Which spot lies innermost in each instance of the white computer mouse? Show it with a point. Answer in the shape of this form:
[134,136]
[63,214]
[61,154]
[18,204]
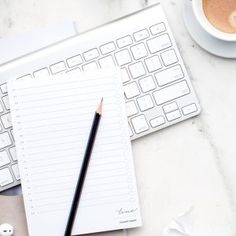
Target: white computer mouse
[6,230]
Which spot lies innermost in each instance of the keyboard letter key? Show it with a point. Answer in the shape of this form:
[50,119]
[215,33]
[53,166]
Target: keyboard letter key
[157,29]
[145,102]
[91,54]
[147,84]
[125,41]
[4,159]
[123,57]
[25,77]
[125,75]
[106,62]
[107,48]
[169,57]
[140,35]
[130,131]
[16,171]
[5,100]
[131,108]
[90,66]
[139,51]
[41,73]
[5,177]
[74,61]
[5,140]
[131,90]
[153,63]
[137,70]
[6,120]
[1,108]
[4,88]
[13,153]
[58,67]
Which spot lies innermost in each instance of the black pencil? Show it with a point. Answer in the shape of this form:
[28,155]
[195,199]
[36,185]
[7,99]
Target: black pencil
[83,170]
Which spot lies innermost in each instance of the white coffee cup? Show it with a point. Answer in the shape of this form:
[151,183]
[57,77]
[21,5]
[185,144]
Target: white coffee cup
[202,19]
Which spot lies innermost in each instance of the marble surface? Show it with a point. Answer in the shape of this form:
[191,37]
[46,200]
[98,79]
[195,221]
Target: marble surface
[189,164]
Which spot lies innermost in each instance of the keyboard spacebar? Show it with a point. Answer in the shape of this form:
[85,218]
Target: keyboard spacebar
[171,92]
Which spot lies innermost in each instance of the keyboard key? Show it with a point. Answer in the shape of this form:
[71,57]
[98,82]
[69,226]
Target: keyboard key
[6,120]
[58,67]
[106,62]
[25,77]
[5,140]
[160,120]
[159,43]
[90,66]
[131,90]
[4,159]
[130,131]
[145,102]
[123,57]
[5,177]
[140,124]
[172,92]
[189,109]
[147,84]
[140,35]
[74,61]
[5,100]
[139,51]
[131,108]
[91,54]
[137,70]
[4,88]
[13,153]
[170,107]
[107,48]
[173,115]
[125,41]
[16,171]
[125,75]
[169,57]
[158,28]
[169,75]
[153,63]
[41,73]
[74,70]
[1,108]
[12,134]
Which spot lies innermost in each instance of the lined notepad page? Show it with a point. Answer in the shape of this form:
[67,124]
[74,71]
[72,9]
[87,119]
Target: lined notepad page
[52,118]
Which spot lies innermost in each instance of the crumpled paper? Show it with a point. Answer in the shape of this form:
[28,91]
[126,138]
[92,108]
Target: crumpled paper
[182,225]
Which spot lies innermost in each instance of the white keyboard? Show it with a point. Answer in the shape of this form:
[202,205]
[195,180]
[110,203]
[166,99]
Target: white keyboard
[157,89]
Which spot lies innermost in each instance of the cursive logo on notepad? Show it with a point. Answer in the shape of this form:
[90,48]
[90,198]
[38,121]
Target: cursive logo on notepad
[123,211]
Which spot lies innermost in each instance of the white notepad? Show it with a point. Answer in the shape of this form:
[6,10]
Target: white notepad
[51,119]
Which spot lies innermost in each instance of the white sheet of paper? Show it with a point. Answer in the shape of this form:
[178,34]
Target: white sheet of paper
[52,119]
[182,225]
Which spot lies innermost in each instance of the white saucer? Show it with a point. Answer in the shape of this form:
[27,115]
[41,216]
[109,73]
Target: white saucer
[203,39]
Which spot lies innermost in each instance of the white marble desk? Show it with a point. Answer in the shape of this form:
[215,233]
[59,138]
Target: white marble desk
[189,164]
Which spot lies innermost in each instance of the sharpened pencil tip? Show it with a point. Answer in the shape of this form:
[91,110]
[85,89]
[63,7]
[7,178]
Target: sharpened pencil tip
[99,109]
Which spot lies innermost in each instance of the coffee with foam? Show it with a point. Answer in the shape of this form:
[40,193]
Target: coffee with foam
[221,14]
